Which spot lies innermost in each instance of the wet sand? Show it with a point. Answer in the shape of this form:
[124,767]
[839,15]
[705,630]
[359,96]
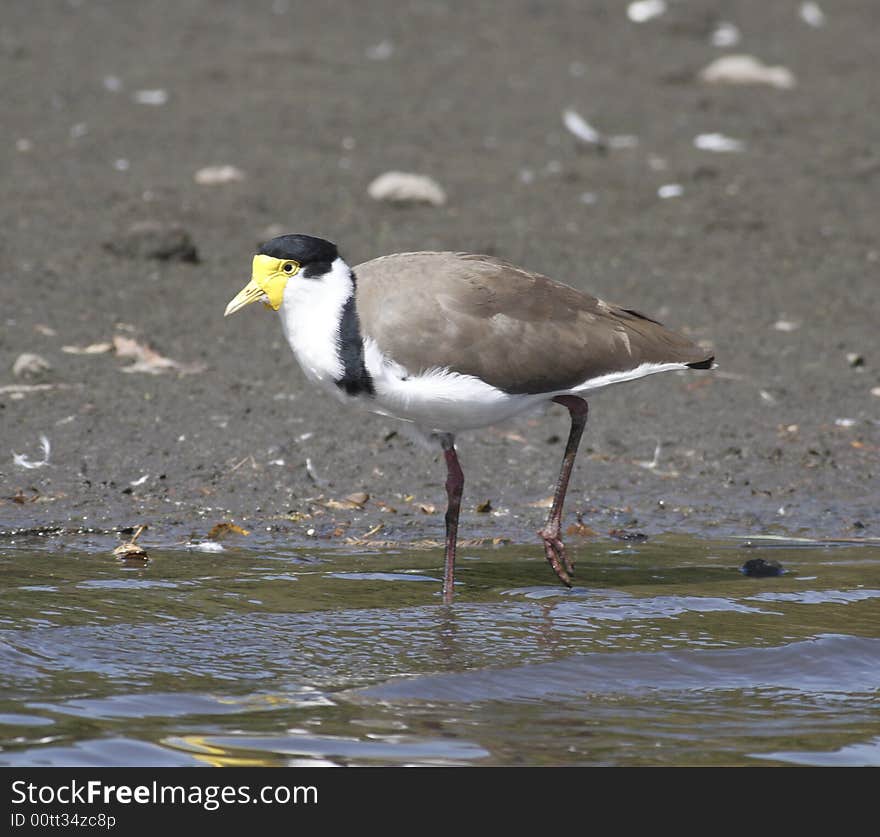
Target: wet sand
[770,254]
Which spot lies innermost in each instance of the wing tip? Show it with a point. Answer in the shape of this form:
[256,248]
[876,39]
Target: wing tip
[708,363]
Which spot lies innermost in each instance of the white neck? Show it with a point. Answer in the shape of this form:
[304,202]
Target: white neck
[311,312]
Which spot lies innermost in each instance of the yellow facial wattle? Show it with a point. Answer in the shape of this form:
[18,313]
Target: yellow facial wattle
[268,279]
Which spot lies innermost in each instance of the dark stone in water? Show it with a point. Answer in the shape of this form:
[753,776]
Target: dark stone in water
[626,535]
[759,568]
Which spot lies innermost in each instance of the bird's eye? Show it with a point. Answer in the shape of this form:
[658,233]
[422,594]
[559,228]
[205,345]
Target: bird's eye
[288,268]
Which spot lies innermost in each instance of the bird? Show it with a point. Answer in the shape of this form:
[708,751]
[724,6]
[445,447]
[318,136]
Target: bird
[449,342]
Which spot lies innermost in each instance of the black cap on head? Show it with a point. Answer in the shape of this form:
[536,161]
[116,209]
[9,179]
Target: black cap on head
[315,255]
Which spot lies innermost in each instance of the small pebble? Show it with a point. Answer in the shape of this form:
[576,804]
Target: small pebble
[725,34]
[746,69]
[579,127]
[150,97]
[670,190]
[855,360]
[786,325]
[404,187]
[29,365]
[812,14]
[216,175]
[718,143]
[640,11]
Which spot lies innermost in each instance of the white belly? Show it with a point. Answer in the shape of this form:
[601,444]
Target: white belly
[438,399]
[447,402]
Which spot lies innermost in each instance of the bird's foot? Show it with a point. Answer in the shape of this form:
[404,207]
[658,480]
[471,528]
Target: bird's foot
[554,550]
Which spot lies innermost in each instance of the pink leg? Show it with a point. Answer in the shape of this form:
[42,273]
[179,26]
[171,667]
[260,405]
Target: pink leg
[454,487]
[554,548]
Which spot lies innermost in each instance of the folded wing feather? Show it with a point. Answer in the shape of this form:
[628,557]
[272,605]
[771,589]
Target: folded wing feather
[519,331]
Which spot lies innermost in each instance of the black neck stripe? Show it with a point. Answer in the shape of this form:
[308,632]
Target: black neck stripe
[355,379]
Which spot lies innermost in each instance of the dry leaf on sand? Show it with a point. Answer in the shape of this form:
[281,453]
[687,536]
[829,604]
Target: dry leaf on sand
[149,360]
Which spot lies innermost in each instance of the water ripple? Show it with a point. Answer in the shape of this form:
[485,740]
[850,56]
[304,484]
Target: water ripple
[818,596]
[866,754]
[828,664]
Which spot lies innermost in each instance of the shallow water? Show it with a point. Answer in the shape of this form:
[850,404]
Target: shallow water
[664,654]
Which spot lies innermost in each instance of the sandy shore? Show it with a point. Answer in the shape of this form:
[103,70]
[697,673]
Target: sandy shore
[769,253]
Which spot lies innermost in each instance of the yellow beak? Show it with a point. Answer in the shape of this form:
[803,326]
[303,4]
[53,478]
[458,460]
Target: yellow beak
[248,294]
[268,280]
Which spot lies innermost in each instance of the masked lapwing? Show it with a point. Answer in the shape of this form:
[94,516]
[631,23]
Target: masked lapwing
[456,341]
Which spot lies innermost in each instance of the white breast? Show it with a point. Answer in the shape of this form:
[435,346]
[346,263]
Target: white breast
[310,313]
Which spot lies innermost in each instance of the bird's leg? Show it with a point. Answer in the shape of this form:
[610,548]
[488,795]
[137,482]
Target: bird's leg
[454,487]
[554,548]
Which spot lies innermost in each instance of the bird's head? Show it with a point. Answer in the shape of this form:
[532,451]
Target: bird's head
[285,259]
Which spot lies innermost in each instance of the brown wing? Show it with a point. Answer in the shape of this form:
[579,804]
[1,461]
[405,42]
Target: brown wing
[519,331]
